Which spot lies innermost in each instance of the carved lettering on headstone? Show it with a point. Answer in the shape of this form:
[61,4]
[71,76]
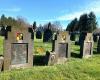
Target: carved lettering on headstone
[19,53]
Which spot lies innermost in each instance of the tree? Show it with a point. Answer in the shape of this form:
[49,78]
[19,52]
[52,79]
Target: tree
[3,20]
[48,33]
[83,26]
[87,22]
[72,26]
[92,21]
[57,26]
[34,25]
[49,25]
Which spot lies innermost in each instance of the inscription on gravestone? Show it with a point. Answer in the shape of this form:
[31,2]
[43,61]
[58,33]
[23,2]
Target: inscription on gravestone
[19,53]
[88,48]
[62,50]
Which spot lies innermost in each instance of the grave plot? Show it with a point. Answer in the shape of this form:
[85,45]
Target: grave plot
[60,48]
[18,48]
[86,46]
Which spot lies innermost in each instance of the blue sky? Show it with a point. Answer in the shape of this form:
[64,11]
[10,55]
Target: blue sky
[43,11]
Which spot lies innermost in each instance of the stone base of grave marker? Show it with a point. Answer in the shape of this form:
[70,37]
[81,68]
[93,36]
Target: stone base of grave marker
[52,58]
[61,60]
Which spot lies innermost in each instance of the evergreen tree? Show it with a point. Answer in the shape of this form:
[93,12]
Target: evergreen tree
[83,26]
[72,26]
[92,22]
[34,25]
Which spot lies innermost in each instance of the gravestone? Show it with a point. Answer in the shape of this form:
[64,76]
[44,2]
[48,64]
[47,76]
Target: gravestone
[62,46]
[86,48]
[82,37]
[53,41]
[18,48]
[98,45]
[50,58]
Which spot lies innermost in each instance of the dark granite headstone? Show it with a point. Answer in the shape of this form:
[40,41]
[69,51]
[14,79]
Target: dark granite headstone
[82,37]
[98,45]
[1,63]
[86,48]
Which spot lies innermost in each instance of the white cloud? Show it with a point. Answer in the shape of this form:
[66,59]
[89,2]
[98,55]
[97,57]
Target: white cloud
[93,6]
[10,10]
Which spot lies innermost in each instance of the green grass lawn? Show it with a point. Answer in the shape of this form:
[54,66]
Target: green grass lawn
[40,47]
[74,69]
[1,45]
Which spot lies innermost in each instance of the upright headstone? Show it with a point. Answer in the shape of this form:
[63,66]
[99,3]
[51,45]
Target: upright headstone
[18,48]
[82,37]
[86,47]
[98,45]
[62,46]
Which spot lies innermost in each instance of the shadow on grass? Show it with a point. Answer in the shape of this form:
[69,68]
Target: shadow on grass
[95,52]
[75,55]
[40,60]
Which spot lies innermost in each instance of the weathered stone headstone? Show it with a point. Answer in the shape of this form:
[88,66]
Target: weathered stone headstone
[18,48]
[86,48]
[98,46]
[62,46]
[50,58]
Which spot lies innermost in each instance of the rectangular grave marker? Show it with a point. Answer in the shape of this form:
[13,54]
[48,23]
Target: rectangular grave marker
[86,48]
[98,45]
[18,48]
[61,46]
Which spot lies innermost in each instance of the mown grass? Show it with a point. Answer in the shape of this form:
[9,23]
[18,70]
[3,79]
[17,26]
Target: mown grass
[1,45]
[74,69]
[40,47]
